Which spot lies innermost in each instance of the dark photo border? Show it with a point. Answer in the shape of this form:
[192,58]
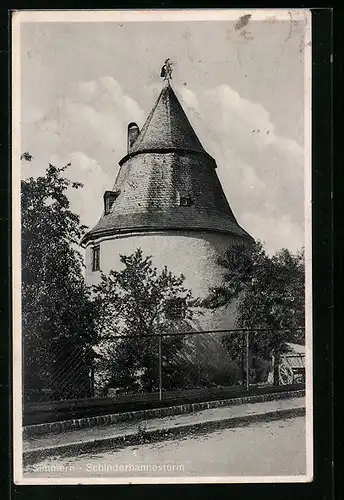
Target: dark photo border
[325,254]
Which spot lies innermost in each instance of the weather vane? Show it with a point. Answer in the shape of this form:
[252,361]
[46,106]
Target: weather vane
[166,70]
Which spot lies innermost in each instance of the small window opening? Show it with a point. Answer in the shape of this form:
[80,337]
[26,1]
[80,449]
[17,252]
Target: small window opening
[109,199]
[176,308]
[185,201]
[96,258]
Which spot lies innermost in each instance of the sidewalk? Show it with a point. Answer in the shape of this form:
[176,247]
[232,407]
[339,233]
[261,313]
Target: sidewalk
[125,433]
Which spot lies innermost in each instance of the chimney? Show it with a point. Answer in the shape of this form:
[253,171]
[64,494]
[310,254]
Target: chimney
[133,133]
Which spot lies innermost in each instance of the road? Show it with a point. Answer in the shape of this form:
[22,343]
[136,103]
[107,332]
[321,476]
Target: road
[275,448]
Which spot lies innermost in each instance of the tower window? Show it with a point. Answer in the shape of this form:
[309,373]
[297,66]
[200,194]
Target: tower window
[96,258]
[109,199]
[185,201]
[184,198]
[176,308]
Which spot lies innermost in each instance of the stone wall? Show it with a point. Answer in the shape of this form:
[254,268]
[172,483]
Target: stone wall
[193,254]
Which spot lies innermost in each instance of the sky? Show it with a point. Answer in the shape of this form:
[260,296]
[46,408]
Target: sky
[242,90]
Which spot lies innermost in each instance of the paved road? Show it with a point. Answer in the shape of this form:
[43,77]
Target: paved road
[262,449]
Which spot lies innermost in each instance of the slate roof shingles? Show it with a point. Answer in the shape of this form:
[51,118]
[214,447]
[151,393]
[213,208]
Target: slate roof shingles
[167,127]
[167,158]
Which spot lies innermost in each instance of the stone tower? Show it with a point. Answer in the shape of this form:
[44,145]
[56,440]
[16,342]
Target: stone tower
[167,200]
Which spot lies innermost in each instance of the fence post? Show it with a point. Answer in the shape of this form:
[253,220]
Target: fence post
[160,367]
[198,362]
[92,381]
[247,361]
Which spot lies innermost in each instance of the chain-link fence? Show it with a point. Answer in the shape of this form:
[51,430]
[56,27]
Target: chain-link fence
[156,366]
[202,360]
[58,372]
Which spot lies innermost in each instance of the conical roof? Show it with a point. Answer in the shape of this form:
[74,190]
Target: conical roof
[167,127]
[167,164]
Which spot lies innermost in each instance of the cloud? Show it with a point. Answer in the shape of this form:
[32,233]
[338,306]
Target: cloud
[261,172]
[88,201]
[274,232]
[88,129]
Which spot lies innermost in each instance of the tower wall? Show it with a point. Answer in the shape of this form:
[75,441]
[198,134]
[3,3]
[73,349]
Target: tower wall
[193,254]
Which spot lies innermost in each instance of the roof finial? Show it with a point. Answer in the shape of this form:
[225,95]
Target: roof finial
[166,70]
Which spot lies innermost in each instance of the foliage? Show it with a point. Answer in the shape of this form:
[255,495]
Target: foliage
[134,304]
[26,156]
[269,292]
[58,315]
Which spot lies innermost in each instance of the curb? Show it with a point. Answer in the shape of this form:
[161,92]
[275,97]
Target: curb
[103,420]
[32,456]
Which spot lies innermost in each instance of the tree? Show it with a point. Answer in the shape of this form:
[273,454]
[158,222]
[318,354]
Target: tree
[58,315]
[269,292]
[138,303]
